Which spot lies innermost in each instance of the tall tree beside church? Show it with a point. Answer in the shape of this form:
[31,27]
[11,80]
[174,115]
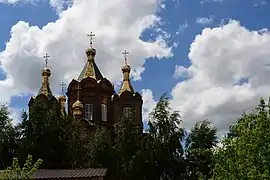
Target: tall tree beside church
[103,154]
[42,134]
[127,143]
[166,135]
[200,145]
[246,154]
[78,143]
[8,138]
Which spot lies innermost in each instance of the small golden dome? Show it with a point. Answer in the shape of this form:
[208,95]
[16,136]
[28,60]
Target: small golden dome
[62,98]
[46,72]
[90,52]
[126,68]
[77,104]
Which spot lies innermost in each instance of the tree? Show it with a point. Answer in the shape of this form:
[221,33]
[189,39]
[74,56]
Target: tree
[127,144]
[15,172]
[100,148]
[246,154]
[42,133]
[78,142]
[8,138]
[166,135]
[199,150]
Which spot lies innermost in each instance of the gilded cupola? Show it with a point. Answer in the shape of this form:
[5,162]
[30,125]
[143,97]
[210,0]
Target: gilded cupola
[126,85]
[62,99]
[90,69]
[46,73]
[77,106]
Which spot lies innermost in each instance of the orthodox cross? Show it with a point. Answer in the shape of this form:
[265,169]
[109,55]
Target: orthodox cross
[63,87]
[91,35]
[125,53]
[46,59]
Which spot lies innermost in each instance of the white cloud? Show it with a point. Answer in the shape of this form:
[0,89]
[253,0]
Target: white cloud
[205,20]
[182,28]
[15,115]
[148,103]
[220,58]
[259,3]
[57,4]
[181,71]
[117,24]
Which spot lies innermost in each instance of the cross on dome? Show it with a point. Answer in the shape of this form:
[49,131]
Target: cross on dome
[91,35]
[125,53]
[46,59]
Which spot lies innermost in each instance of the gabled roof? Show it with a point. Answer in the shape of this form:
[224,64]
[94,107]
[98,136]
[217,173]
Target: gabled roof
[126,86]
[46,90]
[69,173]
[90,70]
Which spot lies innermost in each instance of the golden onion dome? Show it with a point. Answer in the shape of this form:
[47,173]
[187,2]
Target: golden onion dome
[126,68]
[77,104]
[62,98]
[90,52]
[46,72]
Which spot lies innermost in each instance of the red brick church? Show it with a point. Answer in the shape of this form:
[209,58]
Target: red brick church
[92,98]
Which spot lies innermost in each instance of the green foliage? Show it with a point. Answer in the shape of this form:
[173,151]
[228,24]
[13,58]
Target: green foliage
[78,143]
[8,138]
[127,143]
[15,172]
[246,154]
[100,148]
[199,150]
[64,142]
[203,135]
[42,134]
[166,134]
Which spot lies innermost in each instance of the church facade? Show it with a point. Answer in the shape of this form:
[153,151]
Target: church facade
[92,98]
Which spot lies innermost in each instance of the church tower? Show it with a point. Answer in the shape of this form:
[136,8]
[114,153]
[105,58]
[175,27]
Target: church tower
[127,101]
[45,94]
[46,73]
[95,92]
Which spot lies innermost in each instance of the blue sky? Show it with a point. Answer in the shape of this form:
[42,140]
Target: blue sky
[180,19]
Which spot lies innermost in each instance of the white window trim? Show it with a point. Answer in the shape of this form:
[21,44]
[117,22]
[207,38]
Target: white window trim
[104,112]
[89,108]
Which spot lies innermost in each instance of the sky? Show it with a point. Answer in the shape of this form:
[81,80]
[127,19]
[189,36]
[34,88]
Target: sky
[211,57]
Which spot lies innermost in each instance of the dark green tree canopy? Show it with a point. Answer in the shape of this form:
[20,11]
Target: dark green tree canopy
[8,139]
[200,144]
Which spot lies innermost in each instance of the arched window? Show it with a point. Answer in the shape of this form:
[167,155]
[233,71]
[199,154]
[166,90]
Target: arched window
[127,111]
[88,111]
[104,112]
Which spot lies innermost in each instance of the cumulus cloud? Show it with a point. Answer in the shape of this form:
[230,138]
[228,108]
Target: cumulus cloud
[205,20]
[117,24]
[57,4]
[181,72]
[148,104]
[230,69]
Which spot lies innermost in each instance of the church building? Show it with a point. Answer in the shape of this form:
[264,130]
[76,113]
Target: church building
[91,97]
